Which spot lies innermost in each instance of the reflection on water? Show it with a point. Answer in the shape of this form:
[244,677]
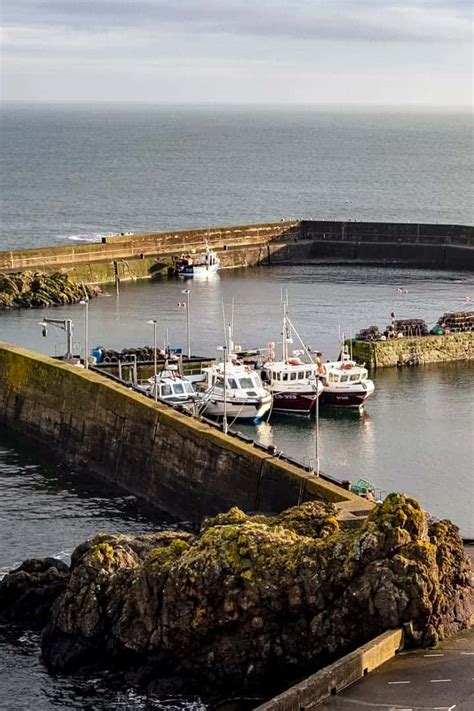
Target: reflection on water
[416,436]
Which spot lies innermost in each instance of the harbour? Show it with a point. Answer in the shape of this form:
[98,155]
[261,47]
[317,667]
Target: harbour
[371,246]
[324,301]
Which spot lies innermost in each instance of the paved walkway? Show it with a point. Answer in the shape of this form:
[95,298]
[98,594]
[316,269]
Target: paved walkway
[440,679]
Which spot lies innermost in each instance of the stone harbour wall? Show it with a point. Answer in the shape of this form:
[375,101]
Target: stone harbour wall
[175,462]
[147,255]
[414,350]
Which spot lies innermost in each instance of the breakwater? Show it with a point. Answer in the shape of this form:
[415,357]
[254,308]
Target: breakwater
[139,256]
[413,350]
[173,461]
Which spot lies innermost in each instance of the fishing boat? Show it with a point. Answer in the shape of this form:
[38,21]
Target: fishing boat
[170,387]
[203,264]
[233,390]
[294,380]
[346,384]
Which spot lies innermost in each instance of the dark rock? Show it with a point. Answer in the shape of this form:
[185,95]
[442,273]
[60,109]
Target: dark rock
[37,290]
[27,593]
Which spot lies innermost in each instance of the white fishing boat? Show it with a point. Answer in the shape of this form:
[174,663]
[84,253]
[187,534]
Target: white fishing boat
[238,393]
[232,390]
[294,380]
[203,264]
[346,384]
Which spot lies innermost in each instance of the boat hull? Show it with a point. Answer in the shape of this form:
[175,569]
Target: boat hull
[294,403]
[239,410]
[344,398]
[198,270]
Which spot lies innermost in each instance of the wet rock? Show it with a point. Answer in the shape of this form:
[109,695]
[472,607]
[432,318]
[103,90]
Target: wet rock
[111,605]
[28,592]
[37,290]
[251,600]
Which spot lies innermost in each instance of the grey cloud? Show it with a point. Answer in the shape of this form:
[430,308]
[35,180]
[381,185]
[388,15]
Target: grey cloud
[344,20]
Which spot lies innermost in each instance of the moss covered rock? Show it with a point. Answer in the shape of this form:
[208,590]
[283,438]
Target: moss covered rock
[37,290]
[251,600]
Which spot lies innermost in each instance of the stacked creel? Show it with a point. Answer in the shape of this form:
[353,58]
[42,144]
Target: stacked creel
[456,322]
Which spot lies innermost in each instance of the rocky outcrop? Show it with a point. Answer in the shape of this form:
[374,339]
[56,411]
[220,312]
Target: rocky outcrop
[254,599]
[36,290]
[28,592]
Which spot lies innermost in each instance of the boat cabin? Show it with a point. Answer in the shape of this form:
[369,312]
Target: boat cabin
[344,374]
[209,258]
[289,372]
[238,378]
[175,390]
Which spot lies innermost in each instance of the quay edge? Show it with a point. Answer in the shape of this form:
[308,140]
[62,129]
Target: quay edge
[174,462]
[416,350]
[147,255]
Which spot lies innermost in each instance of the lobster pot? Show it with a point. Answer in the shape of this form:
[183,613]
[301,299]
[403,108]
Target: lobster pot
[411,327]
[369,334]
[458,321]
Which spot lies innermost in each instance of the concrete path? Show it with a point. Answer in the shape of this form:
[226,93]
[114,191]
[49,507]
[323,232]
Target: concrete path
[440,679]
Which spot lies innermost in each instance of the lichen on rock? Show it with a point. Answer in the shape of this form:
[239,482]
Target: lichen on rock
[252,599]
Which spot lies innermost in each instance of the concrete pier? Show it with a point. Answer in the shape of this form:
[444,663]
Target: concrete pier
[413,350]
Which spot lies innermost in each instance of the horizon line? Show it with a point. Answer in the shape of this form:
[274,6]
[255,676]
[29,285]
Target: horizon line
[234,104]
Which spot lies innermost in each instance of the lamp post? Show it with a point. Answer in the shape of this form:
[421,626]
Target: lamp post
[153,323]
[65,324]
[188,319]
[85,302]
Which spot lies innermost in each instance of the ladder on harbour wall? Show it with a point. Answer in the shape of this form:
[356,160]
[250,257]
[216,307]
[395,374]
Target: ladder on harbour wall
[127,273]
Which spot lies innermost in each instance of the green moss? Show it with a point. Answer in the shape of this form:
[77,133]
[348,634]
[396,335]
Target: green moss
[398,511]
[315,519]
[233,516]
[103,554]
[161,558]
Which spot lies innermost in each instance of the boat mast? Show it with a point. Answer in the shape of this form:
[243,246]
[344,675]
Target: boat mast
[308,354]
[224,325]
[284,331]
[288,328]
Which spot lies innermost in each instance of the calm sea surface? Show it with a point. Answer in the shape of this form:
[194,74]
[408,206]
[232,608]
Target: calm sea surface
[74,174]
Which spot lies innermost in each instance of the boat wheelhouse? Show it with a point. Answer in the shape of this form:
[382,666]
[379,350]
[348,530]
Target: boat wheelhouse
[170,387]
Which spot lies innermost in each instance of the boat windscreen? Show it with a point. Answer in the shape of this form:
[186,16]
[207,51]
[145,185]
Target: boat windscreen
[246,383]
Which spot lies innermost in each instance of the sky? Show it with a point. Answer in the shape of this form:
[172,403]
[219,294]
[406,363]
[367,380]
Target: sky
[347,52]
